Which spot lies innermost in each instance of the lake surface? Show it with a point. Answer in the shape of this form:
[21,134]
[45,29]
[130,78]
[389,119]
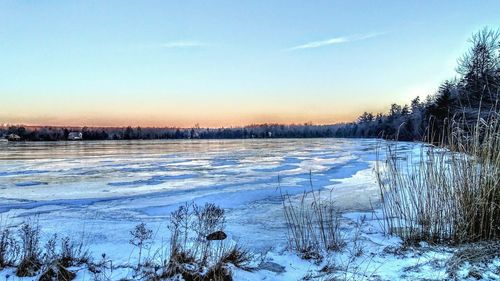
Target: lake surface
[112,185]
[110,169]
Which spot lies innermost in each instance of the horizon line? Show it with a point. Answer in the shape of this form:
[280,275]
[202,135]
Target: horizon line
[6,125]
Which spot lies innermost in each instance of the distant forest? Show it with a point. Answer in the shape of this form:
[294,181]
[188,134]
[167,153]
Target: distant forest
[473,93]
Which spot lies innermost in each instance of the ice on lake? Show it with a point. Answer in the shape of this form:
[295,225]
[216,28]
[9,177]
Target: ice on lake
[105,188]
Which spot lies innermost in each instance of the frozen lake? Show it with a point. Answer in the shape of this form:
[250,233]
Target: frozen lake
[105,188]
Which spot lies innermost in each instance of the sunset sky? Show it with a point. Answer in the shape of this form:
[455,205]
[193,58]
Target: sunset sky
[224,63]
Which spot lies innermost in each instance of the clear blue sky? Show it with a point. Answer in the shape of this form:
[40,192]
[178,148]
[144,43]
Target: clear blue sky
[225,62]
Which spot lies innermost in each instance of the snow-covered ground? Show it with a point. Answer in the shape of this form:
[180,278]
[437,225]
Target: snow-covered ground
[101,190]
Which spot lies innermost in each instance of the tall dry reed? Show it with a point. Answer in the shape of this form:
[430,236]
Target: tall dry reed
[313,224]
[447,193]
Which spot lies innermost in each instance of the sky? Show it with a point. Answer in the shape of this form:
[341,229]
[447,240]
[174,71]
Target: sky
[225,63]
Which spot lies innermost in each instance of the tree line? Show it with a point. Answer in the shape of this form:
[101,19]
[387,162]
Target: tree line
[130,133]
[473,93]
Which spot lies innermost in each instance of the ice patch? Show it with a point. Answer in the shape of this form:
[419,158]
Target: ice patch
[22,172]
[280,168]
[30,183]
[155,180]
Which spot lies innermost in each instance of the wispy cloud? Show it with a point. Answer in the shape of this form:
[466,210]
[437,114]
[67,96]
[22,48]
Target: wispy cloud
[182,44]
[336,40]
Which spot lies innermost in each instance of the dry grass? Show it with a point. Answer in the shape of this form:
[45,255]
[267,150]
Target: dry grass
[313,225]
[474,253]
[195,252]
[190,226]
[452,194]
[31,252]
[21,249]
[9,248]
[239,257]
[198,251]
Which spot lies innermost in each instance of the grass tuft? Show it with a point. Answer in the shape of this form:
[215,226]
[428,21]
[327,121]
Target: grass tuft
[313,225]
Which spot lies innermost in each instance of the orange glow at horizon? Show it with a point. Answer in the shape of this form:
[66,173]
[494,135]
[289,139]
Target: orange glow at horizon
[177,112]
[212,121]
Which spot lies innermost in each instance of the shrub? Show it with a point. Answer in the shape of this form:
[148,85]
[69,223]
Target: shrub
[9,248]
[141,237]
[30,249]
[198,251]
[50,253]
[72,253]
[190,225]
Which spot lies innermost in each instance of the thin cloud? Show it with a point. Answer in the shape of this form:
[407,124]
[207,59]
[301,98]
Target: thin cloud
[182,44]
[336,40]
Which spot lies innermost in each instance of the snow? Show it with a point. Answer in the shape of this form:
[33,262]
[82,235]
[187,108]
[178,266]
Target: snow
[101,190]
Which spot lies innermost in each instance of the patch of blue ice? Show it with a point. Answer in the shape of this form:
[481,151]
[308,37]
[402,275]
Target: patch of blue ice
[25,172]
[30,183]
[280,168]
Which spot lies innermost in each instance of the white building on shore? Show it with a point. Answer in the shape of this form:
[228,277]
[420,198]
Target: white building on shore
[75,136]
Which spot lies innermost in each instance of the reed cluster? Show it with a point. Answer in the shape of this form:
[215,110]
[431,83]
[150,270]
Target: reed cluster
[313,225]
[448,192]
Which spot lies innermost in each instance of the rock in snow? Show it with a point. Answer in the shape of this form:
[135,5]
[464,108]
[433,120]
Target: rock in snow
[272,266]
[218,235]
